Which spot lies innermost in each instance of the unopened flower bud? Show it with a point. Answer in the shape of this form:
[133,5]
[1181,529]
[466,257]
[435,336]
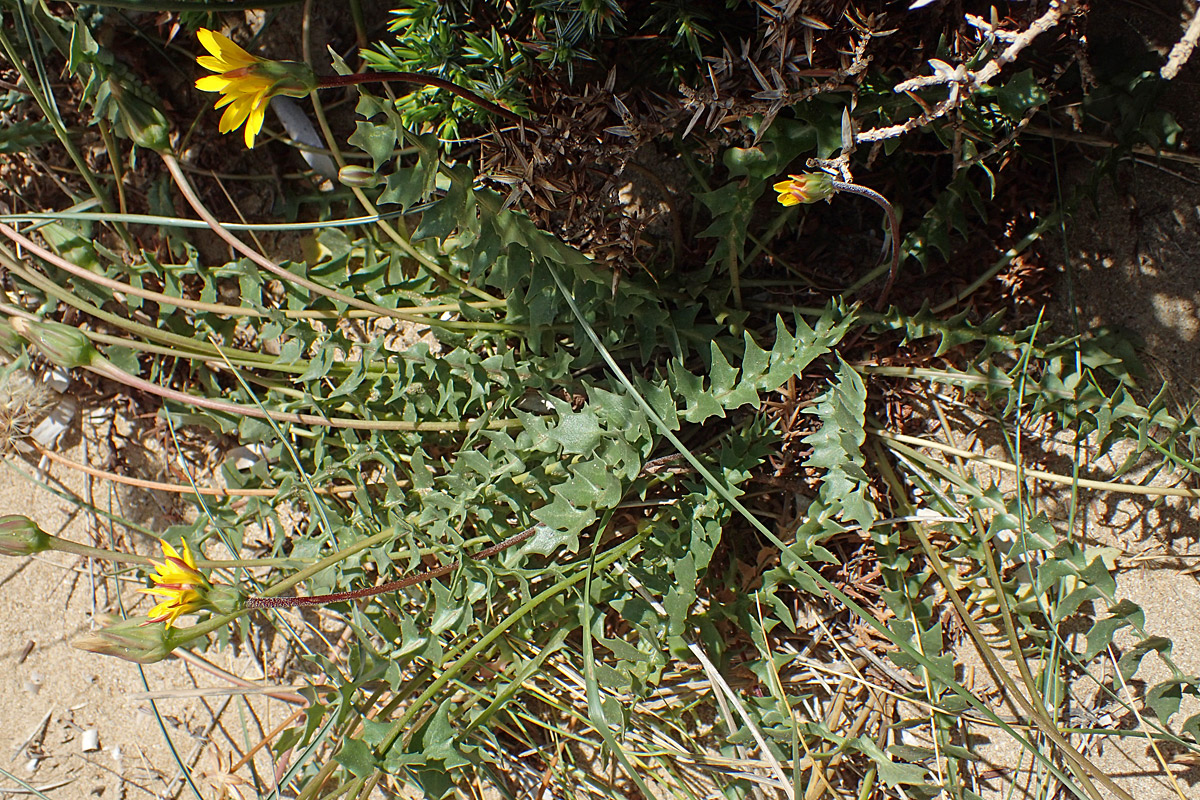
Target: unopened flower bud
[143,123]
[810,187]
[64,345]
[359,177]
[20,536]
[129,639]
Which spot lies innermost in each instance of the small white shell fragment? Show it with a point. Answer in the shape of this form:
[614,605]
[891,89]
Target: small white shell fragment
[32,687]
[57,379]
[246,456]
[32,764]
[56,423]
[91,740]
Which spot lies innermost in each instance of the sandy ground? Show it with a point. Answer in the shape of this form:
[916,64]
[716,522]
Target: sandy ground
[1145,278]
[1134,263]
[76,724]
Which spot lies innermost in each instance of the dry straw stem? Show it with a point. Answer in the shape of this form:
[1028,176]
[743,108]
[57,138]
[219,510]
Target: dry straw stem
[178,488]
[724,691]
[1131,703]
[1082,768]
[1182,50]
[1091,140]
[966,79]
[271,691]
[1037,474]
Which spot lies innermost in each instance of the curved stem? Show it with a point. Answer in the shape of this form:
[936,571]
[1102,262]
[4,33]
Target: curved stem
[413,312]
[893,224]
[75,548]
[179,488]
[327,562]
[400,237]
[898,440]
[107,369]
[390,586]
[37,279]
[329,81]
[118,286]
[237,244]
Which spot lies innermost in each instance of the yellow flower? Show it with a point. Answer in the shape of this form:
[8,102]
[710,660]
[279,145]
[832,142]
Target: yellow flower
[181,583]
[247,83]
[807,188]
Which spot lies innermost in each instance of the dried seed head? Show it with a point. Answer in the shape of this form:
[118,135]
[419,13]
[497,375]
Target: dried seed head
[23,403]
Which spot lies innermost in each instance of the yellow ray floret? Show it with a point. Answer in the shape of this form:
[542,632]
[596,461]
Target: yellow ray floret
[226,56]
[185,601]
[786,197]
[806,188]
[247,83]
[180,581]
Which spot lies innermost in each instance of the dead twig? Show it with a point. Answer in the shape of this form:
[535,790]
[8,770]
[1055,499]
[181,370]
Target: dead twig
[1182,50]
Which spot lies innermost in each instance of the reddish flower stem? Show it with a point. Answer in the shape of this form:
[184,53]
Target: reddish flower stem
[391,586]
[421,80]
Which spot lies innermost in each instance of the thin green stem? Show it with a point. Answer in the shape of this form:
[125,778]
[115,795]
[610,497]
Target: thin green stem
[52,289]
[1020,246]
[897,439]
[282,586]
[53,118]
[330,81]
[189,193]
[401,239]
[101,554]
[383,588]
[410,314]
[107,369]
[183,222]
[199,6]
[402,724]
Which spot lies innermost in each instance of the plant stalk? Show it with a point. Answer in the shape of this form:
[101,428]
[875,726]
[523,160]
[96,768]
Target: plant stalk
[329,81]
[390,586]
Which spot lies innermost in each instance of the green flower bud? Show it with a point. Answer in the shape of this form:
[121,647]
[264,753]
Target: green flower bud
[143,123]
[130,639]
[20,536]
[65,346]
[361,177]
[810,187]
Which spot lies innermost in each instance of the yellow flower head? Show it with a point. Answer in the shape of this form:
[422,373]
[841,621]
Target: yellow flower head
[807,188]
[247,83]
[181,583]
